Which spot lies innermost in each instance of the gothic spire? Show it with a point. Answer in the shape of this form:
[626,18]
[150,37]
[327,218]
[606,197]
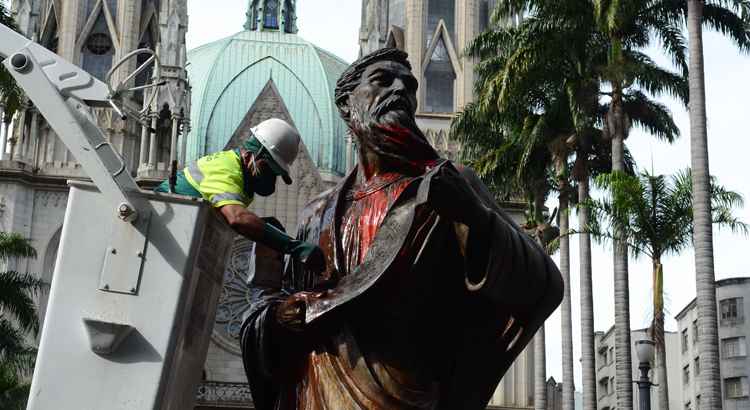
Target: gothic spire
[271,15]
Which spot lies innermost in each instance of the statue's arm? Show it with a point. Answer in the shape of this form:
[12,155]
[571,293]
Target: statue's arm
[507,265]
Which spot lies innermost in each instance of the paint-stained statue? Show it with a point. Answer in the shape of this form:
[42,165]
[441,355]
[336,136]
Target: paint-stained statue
[430,291]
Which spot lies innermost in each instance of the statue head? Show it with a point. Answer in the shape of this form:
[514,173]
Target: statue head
[377,98]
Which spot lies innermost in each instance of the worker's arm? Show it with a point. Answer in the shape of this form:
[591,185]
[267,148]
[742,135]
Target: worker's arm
[254,228]
[244,222]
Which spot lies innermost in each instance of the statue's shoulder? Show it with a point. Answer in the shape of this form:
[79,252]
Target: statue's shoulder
[316,207]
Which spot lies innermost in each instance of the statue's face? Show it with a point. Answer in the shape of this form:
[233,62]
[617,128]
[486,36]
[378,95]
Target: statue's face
[386,87]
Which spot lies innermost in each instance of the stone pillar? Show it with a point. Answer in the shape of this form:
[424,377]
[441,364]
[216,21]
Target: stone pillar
[13,146]
[69,17]
[152,151]
[33,138]
[183,143]
[3,131]
[6,138]
[173,142]
[143,157]
[414,44]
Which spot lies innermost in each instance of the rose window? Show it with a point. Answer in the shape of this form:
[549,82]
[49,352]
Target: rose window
[235,299]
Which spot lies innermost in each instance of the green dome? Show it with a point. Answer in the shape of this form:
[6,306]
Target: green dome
[228,75]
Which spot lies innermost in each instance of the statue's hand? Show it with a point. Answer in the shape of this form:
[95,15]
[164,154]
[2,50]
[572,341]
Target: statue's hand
[310,255]
[453,198]
[290,314]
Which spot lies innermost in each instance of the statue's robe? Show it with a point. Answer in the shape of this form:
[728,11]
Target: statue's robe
[426,315]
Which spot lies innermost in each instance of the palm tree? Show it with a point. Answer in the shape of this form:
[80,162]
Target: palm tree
[13,391]
[728,17]
[558,48]
[19,320]
[653,216]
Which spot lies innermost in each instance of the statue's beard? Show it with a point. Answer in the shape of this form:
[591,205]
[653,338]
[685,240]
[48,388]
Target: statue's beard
[390,130]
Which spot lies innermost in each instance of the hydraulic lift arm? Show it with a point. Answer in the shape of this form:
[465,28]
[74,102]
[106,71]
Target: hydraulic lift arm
[65,95]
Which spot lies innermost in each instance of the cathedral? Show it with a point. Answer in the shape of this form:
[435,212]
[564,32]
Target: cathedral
[212,97]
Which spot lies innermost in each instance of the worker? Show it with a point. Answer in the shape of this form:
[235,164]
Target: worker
[229,180]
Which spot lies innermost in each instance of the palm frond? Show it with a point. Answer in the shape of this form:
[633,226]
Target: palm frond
[13,245]
[17,293]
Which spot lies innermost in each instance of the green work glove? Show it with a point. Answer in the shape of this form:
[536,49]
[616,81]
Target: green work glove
[310,255]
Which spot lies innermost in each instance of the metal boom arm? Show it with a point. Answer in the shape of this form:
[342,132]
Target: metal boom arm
[63,93]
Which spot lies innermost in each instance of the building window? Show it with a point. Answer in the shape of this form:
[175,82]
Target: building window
[731,311]
[697,366]
[98,50]
[736,387]
[290,24]
[611,355]
[397,13]
[611,386]
[684,340]
[733,347]
[271,14]
[439,81]
[437,10]
[603,387]
[686,374]
[695,331]
[602,356]
[698,402]
[687,406]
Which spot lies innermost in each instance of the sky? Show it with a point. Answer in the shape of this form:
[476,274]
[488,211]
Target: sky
[334,26]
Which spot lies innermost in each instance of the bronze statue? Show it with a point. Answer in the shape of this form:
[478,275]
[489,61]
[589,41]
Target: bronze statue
[431,291]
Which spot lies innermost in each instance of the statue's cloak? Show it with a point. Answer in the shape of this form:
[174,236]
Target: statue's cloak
[431,319]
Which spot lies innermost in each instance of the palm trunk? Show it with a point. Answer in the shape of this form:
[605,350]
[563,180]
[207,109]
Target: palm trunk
[658,334]
[708,340]
[540,341]
[587,300]
[540,370]
[623,361]
[568,399]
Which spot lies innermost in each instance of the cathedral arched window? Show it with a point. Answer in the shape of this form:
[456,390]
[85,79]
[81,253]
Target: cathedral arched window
[144,76]
[271,14]
[289,17]
[98,50]
[397,13]
[440,9]
[50,39]
[440,81]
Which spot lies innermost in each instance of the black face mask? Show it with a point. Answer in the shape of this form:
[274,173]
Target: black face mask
[264,184]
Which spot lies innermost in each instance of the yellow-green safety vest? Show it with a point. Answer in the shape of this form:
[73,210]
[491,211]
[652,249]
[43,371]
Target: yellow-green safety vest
[219,179]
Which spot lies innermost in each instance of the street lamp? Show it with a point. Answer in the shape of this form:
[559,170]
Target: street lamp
[645,351]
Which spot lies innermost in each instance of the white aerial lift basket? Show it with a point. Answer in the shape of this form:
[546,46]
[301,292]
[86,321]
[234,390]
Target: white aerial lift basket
[138,274]
[130,315]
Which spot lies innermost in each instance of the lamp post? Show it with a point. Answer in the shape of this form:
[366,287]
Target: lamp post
[645,351]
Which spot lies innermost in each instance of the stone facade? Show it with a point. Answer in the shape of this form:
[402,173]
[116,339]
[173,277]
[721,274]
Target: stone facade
[733,298]
[604,345]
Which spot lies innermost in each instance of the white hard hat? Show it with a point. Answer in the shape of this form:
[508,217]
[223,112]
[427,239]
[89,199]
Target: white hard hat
[281,140]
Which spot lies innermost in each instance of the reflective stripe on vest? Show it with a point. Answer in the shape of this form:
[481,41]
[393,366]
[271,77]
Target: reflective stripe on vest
[195,172]
[226,197]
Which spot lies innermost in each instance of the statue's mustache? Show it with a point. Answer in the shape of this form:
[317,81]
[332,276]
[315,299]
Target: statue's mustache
[392,102]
